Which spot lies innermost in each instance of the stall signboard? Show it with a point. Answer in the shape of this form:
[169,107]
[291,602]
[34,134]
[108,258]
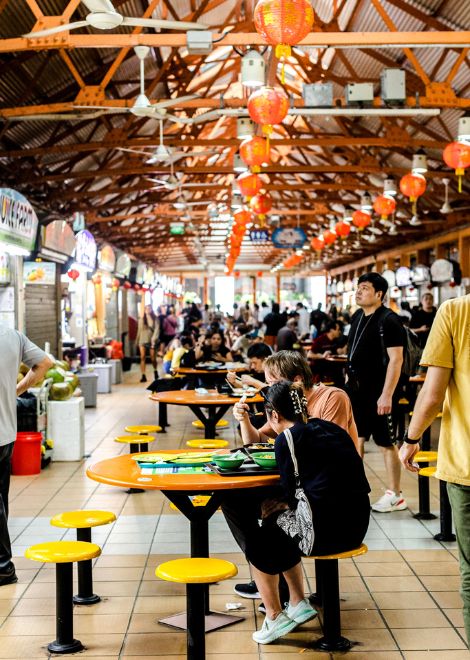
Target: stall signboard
[123,265]
[259,236]
[289,237]
[18,220]
[390,276]
[57,241]
[78,222]
[85,250]
[149,276]
[140,273]
[421,274]
[403,276]
[39,272]
[107,259]
[5,270]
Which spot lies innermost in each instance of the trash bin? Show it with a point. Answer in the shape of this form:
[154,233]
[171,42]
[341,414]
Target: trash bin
[89,386]
[26,458]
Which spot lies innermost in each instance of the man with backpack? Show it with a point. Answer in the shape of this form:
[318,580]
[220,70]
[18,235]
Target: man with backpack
[376,344]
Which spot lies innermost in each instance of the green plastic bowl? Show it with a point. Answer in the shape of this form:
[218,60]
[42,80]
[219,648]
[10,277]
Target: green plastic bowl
[227,462]
[265,459]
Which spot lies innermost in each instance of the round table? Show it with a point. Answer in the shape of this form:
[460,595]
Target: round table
[217,405]
[223,371]
[123,471]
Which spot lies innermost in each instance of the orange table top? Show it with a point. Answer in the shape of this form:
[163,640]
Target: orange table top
[222,371]
[190,398]
[123,471]
[419,378]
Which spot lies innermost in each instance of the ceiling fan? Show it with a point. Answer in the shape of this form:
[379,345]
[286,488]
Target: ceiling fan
[103,16]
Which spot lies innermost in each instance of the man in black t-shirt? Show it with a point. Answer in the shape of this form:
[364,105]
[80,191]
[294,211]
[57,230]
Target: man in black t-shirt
[423,318]
[375,356]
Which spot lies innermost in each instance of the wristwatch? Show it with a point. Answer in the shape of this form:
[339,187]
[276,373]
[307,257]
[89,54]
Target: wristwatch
[408,441]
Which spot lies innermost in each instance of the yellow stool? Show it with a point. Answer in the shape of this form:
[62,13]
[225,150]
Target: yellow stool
[446,533]
[83,521]
[143,429]
[196,573]
[221,424]
[63,554]
[205,443]
[327,579]
[137,443]
[425,457]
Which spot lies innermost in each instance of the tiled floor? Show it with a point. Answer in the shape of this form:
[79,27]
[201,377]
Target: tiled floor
[399,601]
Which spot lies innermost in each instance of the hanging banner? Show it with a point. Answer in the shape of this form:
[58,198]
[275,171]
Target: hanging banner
[85,250]
[289,238]
[39,272]
[57,241]
[18,220]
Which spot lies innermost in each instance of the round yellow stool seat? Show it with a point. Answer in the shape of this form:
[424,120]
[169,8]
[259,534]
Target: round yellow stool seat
[62,552]
[222,423]
[82,519]
[428,471]
[196,570]
[425,457]
[355,552]
[205,443]
[134,439]
[143,428]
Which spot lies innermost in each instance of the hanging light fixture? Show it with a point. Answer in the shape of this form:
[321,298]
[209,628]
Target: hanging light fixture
[253,69]
[464,129]
[390,187]
[245,128]
[366,202]
[446,207]
[348,213]
[419,163]
[239,164]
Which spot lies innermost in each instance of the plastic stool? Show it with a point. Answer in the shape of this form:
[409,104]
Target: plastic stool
[327,578]
[221,424]
[424,513]
[137,443]
[63,554]
[83,521]
[195,573]
[445,516]
[143,429]
[205,443]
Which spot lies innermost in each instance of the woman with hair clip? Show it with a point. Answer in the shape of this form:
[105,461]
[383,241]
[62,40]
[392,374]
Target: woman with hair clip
[332,476]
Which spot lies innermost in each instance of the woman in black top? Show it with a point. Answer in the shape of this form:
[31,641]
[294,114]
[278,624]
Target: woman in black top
[213,348]
[332,475]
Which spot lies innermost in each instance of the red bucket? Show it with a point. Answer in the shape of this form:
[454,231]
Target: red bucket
[26,458]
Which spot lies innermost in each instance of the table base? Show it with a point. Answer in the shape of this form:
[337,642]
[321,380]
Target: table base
[214,620]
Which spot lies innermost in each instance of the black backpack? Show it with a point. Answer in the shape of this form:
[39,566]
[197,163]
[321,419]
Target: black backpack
[411,353]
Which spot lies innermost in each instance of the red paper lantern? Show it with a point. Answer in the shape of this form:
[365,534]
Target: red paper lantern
[329,237]
[457,156]
[255,152]
[268,106]
[384,206]
[237,273]
[249,184]
[238,230]
[283,23]
[413,186]
[259,273]
[342,229]
[116,283]
[96,279]
[127,285]
[361,219]
[261,204]
[242,217]
[137,288]
[318,244]
[73,274]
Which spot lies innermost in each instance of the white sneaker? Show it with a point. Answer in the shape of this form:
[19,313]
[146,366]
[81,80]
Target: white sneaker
[272,630]
[390,502]
[302,612]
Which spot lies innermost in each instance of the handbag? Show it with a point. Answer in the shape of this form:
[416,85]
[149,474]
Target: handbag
[298,524]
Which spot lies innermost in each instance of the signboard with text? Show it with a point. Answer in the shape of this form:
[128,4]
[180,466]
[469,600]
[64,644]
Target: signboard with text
[18,220]
[39,272]
[289,238]
[85,250]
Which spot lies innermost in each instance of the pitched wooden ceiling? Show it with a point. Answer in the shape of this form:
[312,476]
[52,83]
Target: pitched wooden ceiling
[66,158]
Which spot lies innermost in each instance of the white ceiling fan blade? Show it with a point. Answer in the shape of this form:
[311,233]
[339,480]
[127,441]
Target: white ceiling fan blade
[180,99]
[98,5]
[135,151]
[198,203]
[57,117]
[107,109]
[157,23]
[160,181]
[56,29]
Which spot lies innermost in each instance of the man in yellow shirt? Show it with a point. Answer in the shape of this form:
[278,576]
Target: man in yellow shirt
[447,354]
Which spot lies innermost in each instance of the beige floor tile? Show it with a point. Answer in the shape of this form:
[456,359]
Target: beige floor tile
[436,655]
[119,574]
[6,606]
[161,588]
[432,639]
[356,619]
[101,645]
[370,640]
[357,654]
[441,582]
[456,617]
[97,623]
[28,625]
[385,569]
[24,647]
[424,618]
[435,567]
[379,556]
[402,600]
[447,599]
[430,555]
[397,583]
[120,561]
[12,591]
[358,601]
[160,644]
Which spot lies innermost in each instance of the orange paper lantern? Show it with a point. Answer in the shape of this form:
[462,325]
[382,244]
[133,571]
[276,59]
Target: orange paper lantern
[318,244]
[457,156]
[342,229]
[268,106]
[329,237]
[384,206]
[255,152]
[238,230]
[242,217]
[413,186]
[283,23]
[261,204]
[249,184]
[361,219]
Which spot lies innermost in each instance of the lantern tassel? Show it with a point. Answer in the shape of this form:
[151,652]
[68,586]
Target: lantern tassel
[282,52]
[414,207]
[459,172]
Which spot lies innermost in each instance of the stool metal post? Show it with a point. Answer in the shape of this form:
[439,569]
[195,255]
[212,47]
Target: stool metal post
[424,512]
[446,533]
[195,611]
[85,594]
[332,639]
[64,643]
[317,597]
[143,446]
[131,491]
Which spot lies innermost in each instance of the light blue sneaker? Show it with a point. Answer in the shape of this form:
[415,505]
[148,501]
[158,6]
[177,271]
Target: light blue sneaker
[301,613]
[273,629]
